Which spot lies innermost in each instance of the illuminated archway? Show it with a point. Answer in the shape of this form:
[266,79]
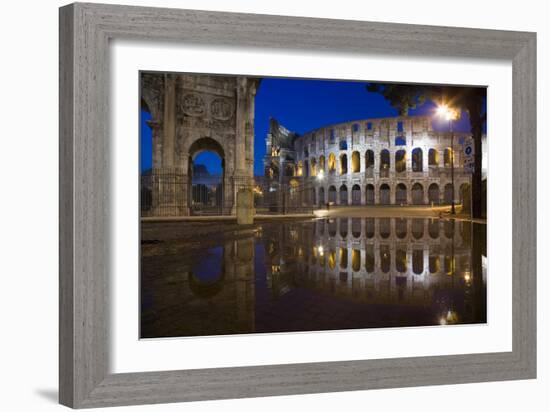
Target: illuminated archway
[417,159]
[355,162]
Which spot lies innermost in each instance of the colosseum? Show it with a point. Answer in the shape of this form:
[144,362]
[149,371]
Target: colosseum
[382,161]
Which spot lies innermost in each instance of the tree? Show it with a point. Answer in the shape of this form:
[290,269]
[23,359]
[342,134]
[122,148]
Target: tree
[470,99]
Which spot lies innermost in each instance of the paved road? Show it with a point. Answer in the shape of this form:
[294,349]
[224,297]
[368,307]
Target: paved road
[443,212]
[394,211]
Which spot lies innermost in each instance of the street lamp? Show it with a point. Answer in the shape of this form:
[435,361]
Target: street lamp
[450,114]
[321,175]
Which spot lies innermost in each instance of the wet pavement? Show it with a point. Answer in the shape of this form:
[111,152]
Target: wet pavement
[219,278]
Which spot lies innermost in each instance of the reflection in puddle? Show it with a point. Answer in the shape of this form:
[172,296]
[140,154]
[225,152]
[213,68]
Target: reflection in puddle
[327,274]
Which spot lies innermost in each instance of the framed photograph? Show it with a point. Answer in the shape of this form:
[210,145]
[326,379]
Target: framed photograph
[258,205]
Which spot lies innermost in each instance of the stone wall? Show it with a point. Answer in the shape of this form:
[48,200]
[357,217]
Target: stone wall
[365,155]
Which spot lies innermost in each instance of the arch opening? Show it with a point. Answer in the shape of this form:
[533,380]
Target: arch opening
[384,194]
[400,161]
[417,159]
[343,195]
[433,158]
[417,194]
[369,194]
[385,163]
[343,164]
[433,193]
[400,194]
[206,177]
[356,195]
[355,162]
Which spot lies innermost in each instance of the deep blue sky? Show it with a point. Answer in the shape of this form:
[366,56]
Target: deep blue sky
[303,105]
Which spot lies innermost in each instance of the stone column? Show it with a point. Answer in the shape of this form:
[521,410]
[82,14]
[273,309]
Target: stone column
[156,128]
[187,165]
[241,119]
[426,186]
[169,121]
[376,150]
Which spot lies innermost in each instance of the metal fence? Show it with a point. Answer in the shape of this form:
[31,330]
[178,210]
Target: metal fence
[162,193]
[170,193]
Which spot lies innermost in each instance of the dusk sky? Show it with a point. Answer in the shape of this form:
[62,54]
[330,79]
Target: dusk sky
[302,105]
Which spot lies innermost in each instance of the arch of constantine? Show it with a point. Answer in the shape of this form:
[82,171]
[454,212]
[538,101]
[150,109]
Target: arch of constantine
[190,114]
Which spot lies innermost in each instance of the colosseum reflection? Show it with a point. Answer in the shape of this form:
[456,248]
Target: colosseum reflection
[323,274]
[397,160]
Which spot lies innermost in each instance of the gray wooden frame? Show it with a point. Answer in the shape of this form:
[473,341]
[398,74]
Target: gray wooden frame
[85,31]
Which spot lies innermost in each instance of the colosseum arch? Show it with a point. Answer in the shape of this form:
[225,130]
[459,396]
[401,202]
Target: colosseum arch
[417,228]
[433,228]
[369,258]
[355,162]
[400,194]
[400,259]
[418,261]
[356,227]
[417,160]
[313,167]
[332,194]
[447,157]
[331,163]
[385,163]
[332,227]
[385,258]
[369,227]
[384,227]
[344,228]
[433,193]
[448,195]
[434,260]
[321,196]
[417,194]
[343,258]
[401,228]
[343,164]
[384,194]
[343,195]
[290,170]
[433,158]
[369,194]
[299,168]
[355,260]
[369,159]
[400,161]
[356,195]
[321,167]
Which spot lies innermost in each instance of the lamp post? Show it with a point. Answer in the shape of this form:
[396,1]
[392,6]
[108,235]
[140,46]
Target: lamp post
[450,114]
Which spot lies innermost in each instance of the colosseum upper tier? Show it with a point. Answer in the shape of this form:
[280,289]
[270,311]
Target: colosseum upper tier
[397,160]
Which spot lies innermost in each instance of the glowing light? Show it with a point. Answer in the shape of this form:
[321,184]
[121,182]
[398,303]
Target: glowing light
[320,250]
[321,175]
[447,112]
